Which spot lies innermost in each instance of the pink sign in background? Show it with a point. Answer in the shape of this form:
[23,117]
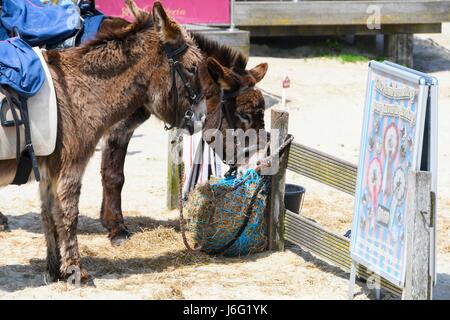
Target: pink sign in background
[216,12]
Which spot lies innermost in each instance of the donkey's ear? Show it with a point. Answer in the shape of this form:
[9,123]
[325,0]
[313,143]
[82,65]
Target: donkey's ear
[138,14]
[221,75]
[259,71]
[169,31]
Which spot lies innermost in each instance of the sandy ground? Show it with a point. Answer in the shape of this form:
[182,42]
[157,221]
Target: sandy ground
[325,103]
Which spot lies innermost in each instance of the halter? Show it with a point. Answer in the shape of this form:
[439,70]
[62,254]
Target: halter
[176,67]
[224,97]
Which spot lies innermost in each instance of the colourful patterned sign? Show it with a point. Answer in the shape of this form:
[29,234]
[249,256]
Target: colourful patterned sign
[390,149]
[216,12]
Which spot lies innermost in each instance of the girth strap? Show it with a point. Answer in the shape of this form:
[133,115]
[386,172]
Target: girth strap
[26,160]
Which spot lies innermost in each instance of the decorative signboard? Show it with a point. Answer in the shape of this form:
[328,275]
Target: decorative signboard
[213,12]
[395,140]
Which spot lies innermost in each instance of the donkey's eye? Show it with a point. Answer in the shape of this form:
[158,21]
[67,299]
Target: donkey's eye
[192,70]
[245,117]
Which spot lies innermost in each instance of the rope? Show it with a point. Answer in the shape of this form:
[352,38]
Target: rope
[182,220]
[267,161]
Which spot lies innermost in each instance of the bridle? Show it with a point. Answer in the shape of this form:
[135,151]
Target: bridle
[225,113]
[187,122]
[176,67]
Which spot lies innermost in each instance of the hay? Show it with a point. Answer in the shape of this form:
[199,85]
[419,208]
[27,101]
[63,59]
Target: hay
[150,250]
[218,211]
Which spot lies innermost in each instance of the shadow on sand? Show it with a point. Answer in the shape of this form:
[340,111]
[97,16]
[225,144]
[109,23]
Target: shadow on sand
[19,277]
[31,222]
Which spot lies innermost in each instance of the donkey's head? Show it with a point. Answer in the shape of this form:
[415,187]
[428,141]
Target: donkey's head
[174,58]
[235,109]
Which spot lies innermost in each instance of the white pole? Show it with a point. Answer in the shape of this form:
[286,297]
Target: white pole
[232,25]
[283,98]
[285,85]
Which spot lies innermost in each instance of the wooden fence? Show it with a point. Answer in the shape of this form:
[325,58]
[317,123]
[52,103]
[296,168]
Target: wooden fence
[326,244]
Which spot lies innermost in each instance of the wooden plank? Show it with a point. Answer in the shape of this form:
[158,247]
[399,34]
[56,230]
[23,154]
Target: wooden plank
[172,172]
[323,155]
[323,168]
[418,285]
[329,175]
[310,154]
[280,122]
[333,248]
[311,13]
[316,177]
[338,30]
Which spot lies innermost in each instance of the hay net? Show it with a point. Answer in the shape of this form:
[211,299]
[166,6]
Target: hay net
[218,211]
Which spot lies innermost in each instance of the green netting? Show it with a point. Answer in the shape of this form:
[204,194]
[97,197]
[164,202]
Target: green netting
[218,211]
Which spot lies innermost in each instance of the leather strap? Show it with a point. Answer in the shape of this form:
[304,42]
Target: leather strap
[26,160]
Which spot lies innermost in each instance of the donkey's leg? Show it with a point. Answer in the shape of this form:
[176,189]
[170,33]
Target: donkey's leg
[3,223]
[113,178]
[65,214]
[49,226]
[7,172]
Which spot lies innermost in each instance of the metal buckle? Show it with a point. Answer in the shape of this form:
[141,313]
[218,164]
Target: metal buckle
[189,114]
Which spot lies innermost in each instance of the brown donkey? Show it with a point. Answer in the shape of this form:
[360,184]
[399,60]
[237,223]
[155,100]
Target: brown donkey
[246,109]
[97,85]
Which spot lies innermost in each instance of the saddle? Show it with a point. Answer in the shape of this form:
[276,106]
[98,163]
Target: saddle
[25,79]
[42,24]
[28,112]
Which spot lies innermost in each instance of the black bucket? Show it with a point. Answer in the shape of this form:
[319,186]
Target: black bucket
[293,197]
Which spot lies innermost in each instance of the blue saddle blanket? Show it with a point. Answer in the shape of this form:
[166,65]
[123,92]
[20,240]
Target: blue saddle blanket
[20,67]
[40,24]
[37,24]
[91,24]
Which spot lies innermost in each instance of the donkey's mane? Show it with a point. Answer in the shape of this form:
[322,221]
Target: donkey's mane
[114,28]
[227,56]
[117,29]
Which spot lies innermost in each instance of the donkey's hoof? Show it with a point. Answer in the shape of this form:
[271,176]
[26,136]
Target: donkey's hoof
[119,236]
[3,223]
[119,240]
[51,276]
[76,274]
[86,279]
[89,283]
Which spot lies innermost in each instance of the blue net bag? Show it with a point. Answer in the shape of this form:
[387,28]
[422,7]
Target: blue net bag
[227,217]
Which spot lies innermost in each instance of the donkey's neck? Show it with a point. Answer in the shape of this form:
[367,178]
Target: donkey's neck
[107,83]
[102,84]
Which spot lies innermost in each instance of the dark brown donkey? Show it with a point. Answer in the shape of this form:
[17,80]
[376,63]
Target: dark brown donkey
[97,85]
[248,111]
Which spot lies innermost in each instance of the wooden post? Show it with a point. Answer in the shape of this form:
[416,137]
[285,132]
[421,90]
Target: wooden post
[351,284]
[276,209]
[419,284]
[172,172]
[399,48]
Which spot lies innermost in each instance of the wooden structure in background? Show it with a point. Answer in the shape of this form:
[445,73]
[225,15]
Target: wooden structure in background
[235,38]
[399,20]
